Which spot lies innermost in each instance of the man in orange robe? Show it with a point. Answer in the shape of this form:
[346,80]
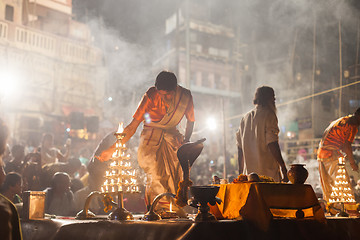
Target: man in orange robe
[336,142]
[161,109]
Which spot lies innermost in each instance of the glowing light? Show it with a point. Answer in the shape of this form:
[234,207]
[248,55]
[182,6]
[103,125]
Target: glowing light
[110,99]
[211,123]
[9,81]
[120,128]
[147,118]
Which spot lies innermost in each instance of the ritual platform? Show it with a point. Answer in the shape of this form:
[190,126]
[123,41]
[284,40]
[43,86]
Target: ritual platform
[247,211]
[280,229]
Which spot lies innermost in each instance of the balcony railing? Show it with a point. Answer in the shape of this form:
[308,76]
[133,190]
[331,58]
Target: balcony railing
[29,39]
[306,149]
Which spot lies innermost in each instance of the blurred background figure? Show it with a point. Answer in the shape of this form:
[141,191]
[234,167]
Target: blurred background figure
[48,170]
[49,153]
[357,191]
[16,164]
[59,198]
[32,172]
[7,155]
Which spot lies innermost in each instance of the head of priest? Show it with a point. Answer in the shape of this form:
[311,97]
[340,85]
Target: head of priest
[265,96]
[166,83]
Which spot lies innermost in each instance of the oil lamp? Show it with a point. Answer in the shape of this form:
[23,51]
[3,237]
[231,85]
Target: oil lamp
[341,191]
[120,177]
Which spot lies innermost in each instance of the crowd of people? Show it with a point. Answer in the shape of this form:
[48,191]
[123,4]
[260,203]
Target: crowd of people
[46,168]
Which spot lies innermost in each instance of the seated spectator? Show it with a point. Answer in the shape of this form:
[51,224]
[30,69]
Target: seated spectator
[16,164]
[357,191]
[32,172]
[59,198]
[12,187]
[95,178]
[76,184]
[48,170]
[9,218]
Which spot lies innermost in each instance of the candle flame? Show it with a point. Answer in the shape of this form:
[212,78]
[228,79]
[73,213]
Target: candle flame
[120,128]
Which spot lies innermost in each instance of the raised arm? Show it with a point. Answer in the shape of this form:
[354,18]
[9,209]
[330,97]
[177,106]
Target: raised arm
[129,132]
[188,131]
[130,129]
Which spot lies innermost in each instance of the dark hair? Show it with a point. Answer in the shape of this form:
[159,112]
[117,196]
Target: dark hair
[47,136]
[263,95]
[166,81]
[4,133]
[11,179]
[357,112]
[58,177]
[74,163]
[17,148]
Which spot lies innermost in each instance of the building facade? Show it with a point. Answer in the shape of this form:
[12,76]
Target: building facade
[56,73]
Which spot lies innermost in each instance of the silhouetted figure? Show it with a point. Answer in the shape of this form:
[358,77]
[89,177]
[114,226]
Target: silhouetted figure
[12,187]
[16,164]
[96,170]
[59,197]
[9,219]
[32,172]
[49,153]
[48,170]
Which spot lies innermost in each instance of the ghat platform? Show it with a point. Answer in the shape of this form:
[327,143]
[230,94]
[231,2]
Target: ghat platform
[59,229]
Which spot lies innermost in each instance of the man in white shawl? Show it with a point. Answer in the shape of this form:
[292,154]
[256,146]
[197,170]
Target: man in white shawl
[257,138]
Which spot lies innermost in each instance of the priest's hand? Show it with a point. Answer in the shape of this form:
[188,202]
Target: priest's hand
[106,154]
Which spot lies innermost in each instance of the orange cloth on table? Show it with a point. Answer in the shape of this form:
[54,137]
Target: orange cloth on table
[259,202]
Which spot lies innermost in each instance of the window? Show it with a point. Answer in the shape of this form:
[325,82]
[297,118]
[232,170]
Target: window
[9,13]
[213,51]
[193,37]
[206,81]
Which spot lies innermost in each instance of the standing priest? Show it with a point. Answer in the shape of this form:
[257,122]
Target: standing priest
[161,109]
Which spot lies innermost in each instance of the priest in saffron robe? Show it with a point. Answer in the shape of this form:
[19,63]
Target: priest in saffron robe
[161,109]
[336,142]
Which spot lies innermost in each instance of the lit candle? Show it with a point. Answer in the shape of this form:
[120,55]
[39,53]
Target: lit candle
[120,128]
